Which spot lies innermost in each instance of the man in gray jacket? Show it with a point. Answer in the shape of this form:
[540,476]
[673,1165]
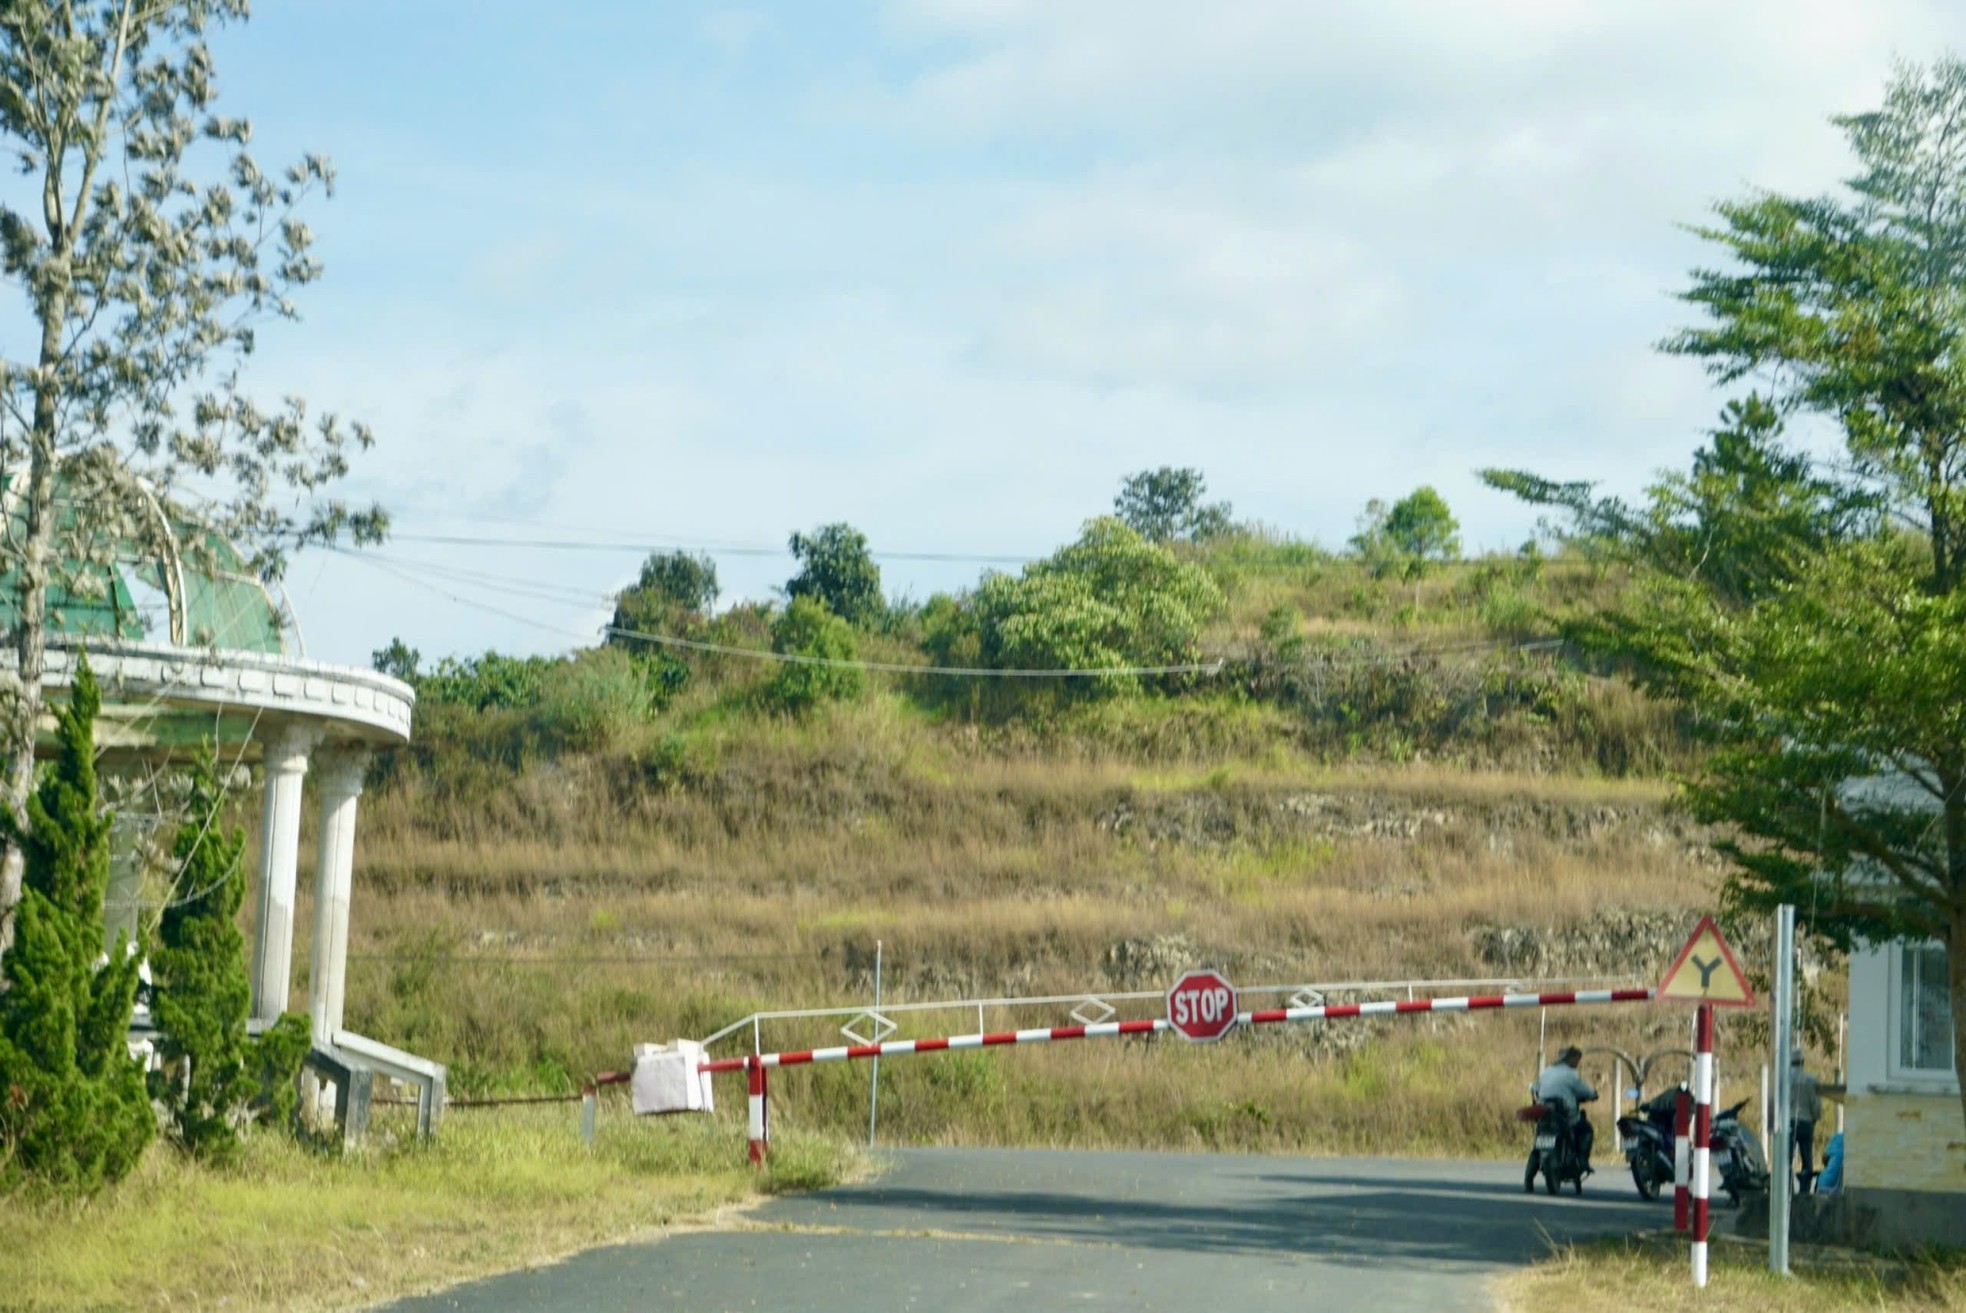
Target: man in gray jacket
[1806,1103]
[1562,1084]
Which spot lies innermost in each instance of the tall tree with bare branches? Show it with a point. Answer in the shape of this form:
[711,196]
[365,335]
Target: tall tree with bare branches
[146,247]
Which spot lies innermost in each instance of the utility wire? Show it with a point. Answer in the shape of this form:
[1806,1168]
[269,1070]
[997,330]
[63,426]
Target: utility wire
[405,572]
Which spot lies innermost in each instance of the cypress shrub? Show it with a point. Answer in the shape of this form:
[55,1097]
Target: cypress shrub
[74,1113]
[201,992]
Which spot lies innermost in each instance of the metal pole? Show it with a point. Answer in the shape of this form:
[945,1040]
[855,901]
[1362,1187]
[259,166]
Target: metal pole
[1781,1184]
[1682,1162]
[1842,1074]
[1767,1117]
[874,1083]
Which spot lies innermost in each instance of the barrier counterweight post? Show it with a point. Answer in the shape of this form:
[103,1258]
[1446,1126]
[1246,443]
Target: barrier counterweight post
[1702,1138]
[1682,1162]
[760,1112]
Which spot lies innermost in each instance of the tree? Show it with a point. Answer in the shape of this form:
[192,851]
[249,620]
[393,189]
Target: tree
[673,594]
[679,581]
[1408,536]
[73,1111]
[201,995]
[1825,650]
[1165,505]
[1109,601]
[835,568]
[151,249]
[808,630]
[399,661]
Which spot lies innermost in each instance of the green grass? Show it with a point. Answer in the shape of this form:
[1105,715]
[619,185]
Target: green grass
[293,1228]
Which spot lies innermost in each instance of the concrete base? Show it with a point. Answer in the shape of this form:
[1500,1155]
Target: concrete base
[1864,1218]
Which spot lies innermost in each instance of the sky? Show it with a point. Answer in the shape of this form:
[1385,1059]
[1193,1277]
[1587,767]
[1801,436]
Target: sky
[694,275]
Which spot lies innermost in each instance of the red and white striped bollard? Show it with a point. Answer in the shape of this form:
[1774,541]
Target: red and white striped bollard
[760,1112]
[1702,1138]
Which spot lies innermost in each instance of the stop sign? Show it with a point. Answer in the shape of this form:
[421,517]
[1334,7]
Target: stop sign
[1202,1005]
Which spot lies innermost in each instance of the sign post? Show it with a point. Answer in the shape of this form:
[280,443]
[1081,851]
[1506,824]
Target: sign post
[1707,974]
[1201,1006]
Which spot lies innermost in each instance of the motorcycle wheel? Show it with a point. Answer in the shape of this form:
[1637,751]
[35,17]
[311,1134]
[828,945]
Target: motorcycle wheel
[1529,1172]
[1550,1169]
[1733,1193]
[1647,1187]
[1577,1186]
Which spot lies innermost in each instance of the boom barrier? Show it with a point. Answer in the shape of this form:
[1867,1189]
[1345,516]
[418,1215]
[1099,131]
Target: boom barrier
[1155,1025]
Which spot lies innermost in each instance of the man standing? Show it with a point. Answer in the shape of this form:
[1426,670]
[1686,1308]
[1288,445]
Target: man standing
[1561,1084]
[1806,1102]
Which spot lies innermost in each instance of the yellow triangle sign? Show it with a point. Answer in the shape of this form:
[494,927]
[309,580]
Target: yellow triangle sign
[1706,972]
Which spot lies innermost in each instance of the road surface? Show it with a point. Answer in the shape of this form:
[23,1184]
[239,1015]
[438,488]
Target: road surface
[969,1229]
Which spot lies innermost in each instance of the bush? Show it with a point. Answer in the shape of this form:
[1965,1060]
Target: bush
[1108,601]
[201,995]
[597,700]
[73,1109]
[808,629]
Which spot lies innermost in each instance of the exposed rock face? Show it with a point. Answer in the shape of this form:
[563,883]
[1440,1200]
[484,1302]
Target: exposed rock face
[1146,963]
[1612,942]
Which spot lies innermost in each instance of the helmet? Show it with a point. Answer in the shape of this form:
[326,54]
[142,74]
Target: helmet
[1571,1053]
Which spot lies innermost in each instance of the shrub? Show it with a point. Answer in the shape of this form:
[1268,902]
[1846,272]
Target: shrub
[73,1109]
[1108,601]
[201,995]
[808,629]
[596,700]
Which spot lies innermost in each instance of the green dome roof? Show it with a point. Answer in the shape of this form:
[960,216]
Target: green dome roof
[174,582]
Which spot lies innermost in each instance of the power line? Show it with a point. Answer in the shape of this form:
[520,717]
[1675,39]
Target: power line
[800,659]
[713,548]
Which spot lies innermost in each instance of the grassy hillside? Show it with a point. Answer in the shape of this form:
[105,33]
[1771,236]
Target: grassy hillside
[1387,779]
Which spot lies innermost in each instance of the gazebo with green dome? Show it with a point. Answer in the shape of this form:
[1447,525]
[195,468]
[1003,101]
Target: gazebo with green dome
[191,648]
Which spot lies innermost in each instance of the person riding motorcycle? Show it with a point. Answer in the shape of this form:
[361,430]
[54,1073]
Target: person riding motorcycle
[1560,1084]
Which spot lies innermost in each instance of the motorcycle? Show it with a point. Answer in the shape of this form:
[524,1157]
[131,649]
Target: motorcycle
[1556,1154]
[1645,1134]
[1737,1156]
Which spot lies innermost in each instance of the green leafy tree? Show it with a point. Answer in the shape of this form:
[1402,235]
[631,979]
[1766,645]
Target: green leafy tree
[670,584]
[836,569]
[200,993]
[73,1111]
[806,629]
[146,247]
[399,661]
[1407,537]
[1165,505]
[672,597]
[1827,655]
[1109,601]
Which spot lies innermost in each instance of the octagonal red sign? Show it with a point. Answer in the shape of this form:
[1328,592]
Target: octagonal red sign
[1202,1006]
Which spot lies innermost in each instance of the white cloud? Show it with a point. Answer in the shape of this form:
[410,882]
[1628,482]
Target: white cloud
[1324,251]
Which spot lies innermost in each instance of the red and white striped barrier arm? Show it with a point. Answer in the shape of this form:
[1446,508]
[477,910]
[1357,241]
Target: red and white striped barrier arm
[1148,1026]
[1702,1138]
[1682,1161]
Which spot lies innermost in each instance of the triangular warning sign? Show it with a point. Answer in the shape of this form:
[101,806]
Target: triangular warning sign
[1706,972]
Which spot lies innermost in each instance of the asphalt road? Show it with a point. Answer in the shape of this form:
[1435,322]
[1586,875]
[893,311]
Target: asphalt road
[966,1229]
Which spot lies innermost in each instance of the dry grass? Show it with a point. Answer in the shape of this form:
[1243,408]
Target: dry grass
[531,937]
[291,1229]
[1653,1277]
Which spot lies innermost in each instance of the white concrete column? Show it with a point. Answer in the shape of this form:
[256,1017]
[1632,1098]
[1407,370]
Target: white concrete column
[285,757]
[340,775]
